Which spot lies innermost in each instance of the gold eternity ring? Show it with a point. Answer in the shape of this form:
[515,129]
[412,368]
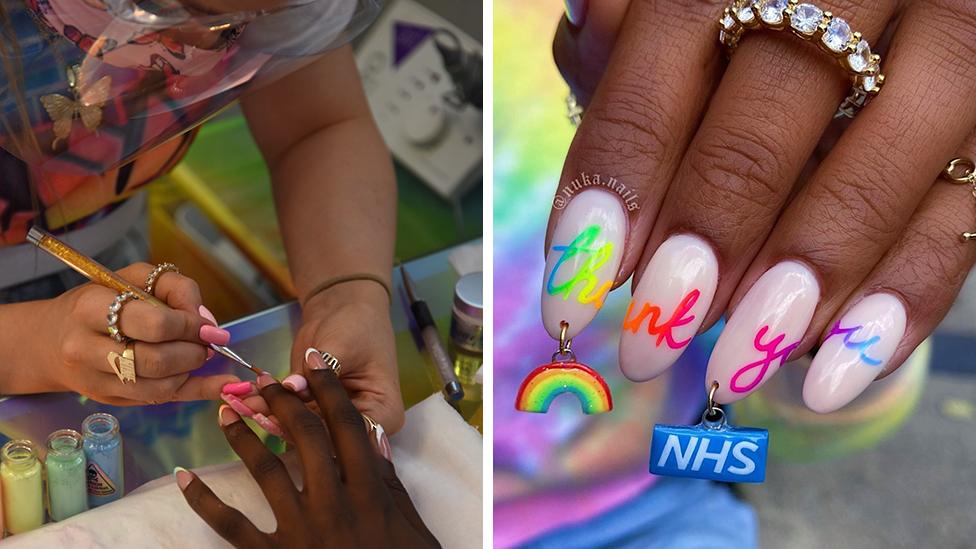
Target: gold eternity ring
[830,33]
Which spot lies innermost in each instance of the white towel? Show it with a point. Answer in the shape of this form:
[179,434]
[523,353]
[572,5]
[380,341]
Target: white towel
[437,456]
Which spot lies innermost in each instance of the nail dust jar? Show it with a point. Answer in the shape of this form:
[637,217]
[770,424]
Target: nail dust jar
[23,487]
[67,485]
[103,450]
[467,329]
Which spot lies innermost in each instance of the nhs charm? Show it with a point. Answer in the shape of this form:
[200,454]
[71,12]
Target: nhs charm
[711,450]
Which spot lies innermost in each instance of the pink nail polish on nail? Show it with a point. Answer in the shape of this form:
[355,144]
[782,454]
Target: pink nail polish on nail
[237,405]
[210,354]
[669,305]
[205,313]
[583,259]
[268,425]
[765,328]
[212,334]
[238,389]
[386,450]
[855,352]
[264,380]
[296,382]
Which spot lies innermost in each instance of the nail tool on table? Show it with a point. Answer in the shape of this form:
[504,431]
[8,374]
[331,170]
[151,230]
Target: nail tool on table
[99,274]
[432,341]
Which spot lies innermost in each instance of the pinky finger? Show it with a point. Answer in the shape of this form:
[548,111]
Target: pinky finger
[228,522]
[899,304]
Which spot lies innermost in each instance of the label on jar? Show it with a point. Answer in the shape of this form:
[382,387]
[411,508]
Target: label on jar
[98,482]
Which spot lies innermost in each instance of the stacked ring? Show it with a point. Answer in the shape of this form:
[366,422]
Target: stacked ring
[113,315]
[332,362]
[156,273]
[832,34]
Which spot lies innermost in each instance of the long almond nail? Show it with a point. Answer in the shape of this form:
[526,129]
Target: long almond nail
[205,313]
[765,328]
[583,260]
[215,335]
[268,425]
[237,405]
[668,307]
[576,12]
[854,352]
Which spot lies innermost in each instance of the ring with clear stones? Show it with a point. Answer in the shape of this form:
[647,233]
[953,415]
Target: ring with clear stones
[113,315]
[156,273]
[830,33]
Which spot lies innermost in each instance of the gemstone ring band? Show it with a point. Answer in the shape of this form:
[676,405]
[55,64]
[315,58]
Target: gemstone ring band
[830,33]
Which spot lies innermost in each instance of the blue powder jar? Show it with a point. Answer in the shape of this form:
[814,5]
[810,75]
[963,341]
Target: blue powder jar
[103,450]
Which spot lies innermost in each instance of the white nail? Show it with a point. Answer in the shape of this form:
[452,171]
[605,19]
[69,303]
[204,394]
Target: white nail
[855,351]
[765,328]
[669,305]
[583,260]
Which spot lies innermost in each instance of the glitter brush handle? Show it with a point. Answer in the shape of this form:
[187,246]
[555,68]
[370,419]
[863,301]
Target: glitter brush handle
[100,274]
[86,266]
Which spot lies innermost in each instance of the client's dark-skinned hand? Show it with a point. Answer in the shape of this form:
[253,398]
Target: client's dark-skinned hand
[351,496]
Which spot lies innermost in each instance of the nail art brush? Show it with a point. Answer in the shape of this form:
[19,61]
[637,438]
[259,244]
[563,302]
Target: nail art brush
[432,341]
[99,274]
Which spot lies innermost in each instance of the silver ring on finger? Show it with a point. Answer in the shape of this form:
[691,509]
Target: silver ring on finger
[114,310]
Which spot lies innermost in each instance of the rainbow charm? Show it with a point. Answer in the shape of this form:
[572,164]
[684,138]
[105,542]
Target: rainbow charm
[548,381]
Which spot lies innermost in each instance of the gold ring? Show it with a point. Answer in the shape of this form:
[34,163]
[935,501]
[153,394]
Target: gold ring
[156,273]
[332,362]
[831,34]
[124,365]
[962,171]
[114,310]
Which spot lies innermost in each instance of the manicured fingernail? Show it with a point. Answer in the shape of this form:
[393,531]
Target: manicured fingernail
[240,388]
[210,354]
[385,449]
[268,425]
[576,12]
[765,328]
[264,380]
[379,439]
[183,477]
[205,313]
[314,359]
[237,405]
[583,259]
[668,306]
[215,335]
[854,352]
[296,382]
[226,415]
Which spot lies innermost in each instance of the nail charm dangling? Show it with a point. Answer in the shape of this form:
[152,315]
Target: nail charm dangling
[564,374]
[712,450]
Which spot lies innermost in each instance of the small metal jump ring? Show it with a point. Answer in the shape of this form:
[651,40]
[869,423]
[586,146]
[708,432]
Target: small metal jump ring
[711,399]
[565,344]
[960,171]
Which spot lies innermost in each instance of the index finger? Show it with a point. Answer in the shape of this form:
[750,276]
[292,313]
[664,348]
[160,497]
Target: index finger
[624,155]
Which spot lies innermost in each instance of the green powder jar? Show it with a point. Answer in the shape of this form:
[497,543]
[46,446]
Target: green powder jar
[67,483]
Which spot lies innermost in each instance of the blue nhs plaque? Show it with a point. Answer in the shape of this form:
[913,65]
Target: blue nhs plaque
[714,451]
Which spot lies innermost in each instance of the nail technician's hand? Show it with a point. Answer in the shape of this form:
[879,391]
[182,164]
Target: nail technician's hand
[350,497]
[352,322]
[695,178]
[169,343]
